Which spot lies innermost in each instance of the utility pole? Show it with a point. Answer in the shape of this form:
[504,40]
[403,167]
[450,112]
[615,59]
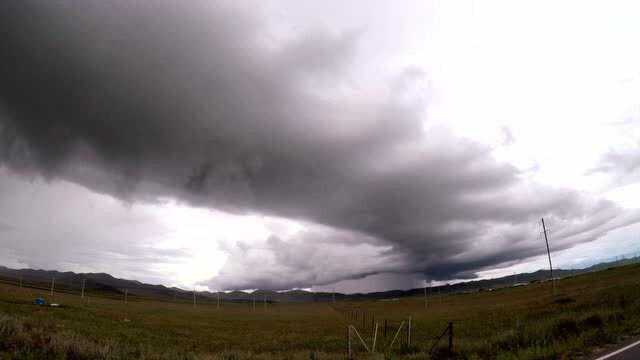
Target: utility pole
[194,298]
[20,281]
[83,284]
[546,239]
[254,301]
[425,297]
[265,303]
[218,302]
[126,291]
[53,284]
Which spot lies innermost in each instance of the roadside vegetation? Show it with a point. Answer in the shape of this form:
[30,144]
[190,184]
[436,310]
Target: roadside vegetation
[528,322]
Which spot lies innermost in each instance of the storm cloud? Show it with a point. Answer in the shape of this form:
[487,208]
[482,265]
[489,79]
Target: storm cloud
[152,100]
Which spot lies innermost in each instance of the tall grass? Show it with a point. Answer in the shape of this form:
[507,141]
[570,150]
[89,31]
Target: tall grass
[529,322]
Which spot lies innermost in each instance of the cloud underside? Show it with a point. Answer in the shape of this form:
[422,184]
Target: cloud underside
[200,104]
[624,165]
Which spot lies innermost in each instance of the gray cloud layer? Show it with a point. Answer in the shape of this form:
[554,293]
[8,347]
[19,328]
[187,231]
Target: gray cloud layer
[624,165]
[149,100]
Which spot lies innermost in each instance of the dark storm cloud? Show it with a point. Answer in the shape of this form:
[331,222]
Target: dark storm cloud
[143,100]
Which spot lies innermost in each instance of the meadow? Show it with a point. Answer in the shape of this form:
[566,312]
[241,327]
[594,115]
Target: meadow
[529,322]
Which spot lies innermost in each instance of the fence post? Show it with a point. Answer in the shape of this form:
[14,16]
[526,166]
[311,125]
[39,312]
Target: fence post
[409,333]
[364,344]
[375,337]
[349,341]
[396,336]
[450,338]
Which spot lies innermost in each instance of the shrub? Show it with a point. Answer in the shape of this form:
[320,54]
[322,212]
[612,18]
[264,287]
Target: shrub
[564,328]
[593,321]
[564,300]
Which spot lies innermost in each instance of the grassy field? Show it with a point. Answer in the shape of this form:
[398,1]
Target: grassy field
[526,322]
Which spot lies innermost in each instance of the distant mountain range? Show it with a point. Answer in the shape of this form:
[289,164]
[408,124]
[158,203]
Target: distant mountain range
[106,285]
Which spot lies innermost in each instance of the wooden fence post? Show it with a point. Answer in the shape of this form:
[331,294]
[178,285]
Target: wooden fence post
[396,336]
[364,344]
[450,338]
[409,332]
[349,340]
[375,337]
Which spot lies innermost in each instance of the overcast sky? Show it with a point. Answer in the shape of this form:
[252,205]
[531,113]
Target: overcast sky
[360,145]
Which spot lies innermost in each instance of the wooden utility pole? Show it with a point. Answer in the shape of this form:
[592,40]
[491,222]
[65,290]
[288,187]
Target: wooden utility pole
[425,297]
[53,284]
[194,298]
[546,239]
[254,302]
[218,301]
[83,285]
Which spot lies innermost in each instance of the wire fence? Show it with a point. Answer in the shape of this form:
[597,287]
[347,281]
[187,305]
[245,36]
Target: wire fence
[371,333]
[71,288]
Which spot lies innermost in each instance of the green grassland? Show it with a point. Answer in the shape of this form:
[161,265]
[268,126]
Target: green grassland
[527,322]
